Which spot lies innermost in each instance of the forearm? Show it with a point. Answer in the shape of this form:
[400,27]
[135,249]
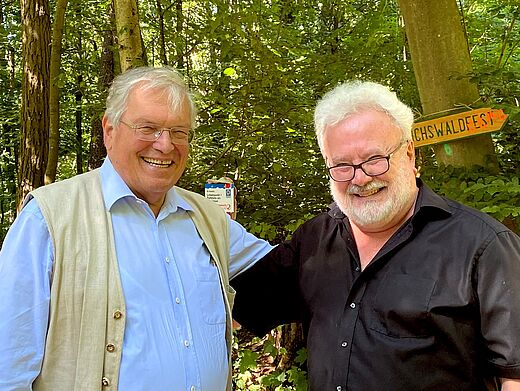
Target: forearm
[510,384]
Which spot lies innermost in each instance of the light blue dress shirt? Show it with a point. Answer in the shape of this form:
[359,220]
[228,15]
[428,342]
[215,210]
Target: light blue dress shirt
[175,326]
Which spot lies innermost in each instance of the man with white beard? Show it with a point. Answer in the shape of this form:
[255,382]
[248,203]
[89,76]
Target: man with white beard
[397,287]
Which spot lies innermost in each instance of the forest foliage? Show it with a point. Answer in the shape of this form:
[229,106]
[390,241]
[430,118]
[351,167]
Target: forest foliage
[256,68]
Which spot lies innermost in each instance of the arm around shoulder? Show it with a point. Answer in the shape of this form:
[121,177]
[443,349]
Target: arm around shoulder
[268,292]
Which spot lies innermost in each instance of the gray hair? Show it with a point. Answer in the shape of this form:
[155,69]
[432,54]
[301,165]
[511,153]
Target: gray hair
[165,78]
[355,96]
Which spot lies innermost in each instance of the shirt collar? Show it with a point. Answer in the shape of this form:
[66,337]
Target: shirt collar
[114,188]
[335,212]
[428,200]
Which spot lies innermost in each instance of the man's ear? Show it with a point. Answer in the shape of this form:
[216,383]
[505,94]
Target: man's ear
[108,132]
[410,154]
[410,151]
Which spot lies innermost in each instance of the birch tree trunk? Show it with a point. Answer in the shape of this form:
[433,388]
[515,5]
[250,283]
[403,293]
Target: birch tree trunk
[442,62]
[36,40]
[130,43]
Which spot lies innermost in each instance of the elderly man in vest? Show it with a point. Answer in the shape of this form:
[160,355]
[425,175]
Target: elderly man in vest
[118,279]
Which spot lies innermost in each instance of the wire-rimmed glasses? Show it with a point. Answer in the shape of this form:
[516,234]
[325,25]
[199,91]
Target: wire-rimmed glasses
[148,132]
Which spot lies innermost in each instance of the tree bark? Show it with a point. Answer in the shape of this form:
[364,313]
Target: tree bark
[441,60]
[79,128]
[3,38]
[179,40]
[130,43]
[162,38]
[54,93]
[36,40]
[97,150]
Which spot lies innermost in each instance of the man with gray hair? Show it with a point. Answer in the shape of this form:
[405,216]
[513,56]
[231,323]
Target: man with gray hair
[118,279]
[397,288]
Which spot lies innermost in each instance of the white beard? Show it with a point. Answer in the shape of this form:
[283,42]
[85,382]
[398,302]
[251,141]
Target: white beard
[374,211]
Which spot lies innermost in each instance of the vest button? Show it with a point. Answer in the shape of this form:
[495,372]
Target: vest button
[105,381]
[118,314]
[111,348]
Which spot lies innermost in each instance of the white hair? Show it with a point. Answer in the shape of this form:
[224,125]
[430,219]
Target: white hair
[165,78]
[355,96]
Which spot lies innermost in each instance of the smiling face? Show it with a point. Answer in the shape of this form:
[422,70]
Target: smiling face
[149,168]
[374,204]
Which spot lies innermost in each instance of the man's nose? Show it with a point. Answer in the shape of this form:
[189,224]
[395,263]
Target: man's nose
[164,142]
[360,178]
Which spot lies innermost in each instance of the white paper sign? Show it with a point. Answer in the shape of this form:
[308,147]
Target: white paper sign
[221,193]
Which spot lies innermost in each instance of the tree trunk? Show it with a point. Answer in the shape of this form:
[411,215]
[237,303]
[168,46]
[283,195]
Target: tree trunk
[3,38]
[36,40]
[130,43]
[79,130]
[162,39]
[442,63]
[54,94]
[291,338]
[8,131]
[97,150]
[180,47]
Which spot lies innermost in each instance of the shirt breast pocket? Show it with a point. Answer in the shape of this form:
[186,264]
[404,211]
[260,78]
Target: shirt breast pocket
[400,307]
[210,295]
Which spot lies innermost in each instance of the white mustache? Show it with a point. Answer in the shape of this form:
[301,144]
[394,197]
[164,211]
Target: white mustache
[374,185]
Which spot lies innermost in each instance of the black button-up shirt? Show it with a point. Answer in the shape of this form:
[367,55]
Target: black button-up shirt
[438,308]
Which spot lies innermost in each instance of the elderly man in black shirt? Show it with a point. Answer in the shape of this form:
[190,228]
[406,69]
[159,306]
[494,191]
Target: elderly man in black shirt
[397,287]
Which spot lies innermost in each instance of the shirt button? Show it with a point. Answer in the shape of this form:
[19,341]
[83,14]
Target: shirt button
[186,343]
[177,300]
[105,381]
[352,305]
[167,259]
[111,348]
[357,268]
[192,388]
[339,388]
[344,344]
[118,314]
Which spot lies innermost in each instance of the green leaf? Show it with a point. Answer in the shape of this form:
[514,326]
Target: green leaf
[230,72]
[301,356]
[248,360]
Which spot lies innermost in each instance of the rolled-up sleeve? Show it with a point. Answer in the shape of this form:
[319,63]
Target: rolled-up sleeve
[498,287]
[268,292]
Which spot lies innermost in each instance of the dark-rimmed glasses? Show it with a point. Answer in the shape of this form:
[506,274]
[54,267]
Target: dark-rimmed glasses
[374,166]
[147,132]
